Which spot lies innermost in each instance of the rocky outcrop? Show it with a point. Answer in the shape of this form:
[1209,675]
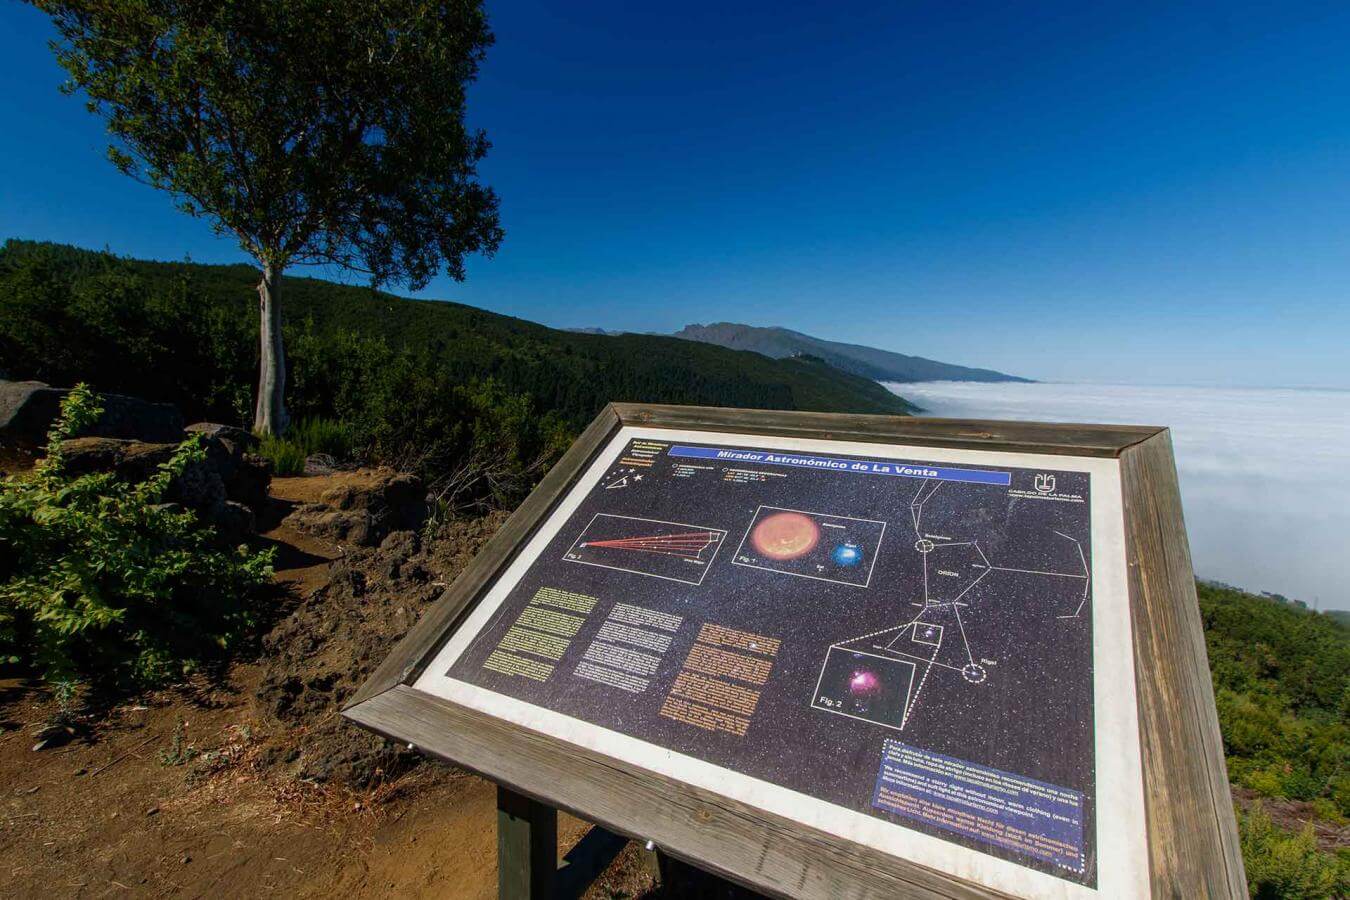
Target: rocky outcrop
[28,409]
[335,637]
[228,488]
[230,452]
[364,507]
[236,436]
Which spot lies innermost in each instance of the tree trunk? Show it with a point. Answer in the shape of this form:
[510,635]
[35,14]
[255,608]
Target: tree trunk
[269,416]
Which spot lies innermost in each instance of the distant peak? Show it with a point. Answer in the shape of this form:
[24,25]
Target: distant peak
[870,362]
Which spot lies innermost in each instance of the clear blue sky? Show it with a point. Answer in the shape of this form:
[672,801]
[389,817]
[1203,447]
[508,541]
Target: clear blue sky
[1065,191]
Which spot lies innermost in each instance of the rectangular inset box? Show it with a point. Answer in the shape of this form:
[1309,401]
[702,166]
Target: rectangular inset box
[1037,818]
[926,634]
[865,686]
[838,549]
[671,550]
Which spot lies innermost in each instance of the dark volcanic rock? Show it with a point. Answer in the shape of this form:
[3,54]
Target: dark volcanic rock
[28,409]
[396,549]
[247,480]
[94,454]
[244,474]
[234,521]
[400,545]
[130,460]
[229,433]
[339,525]
[228,487]
[364,507]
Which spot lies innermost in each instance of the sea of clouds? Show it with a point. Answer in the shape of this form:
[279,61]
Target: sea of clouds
[1265,473]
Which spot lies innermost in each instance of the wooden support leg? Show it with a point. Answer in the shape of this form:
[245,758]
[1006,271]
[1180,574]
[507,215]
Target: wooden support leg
[651,863]
[527,847]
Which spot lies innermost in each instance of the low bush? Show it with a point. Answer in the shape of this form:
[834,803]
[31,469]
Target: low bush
[286,456]
[1282,686]
[478,440]
[316,434]
[305,438]
[101,581]
[1288,865]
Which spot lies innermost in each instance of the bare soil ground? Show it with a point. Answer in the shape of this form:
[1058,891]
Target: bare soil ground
[249,784]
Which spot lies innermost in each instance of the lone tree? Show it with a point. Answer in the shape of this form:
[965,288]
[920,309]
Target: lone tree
[313,131]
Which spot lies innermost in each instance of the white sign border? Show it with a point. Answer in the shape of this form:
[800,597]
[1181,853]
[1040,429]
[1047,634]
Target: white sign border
[1121,840]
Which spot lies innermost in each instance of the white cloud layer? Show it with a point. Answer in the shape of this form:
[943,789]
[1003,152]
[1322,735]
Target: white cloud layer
[1265,474]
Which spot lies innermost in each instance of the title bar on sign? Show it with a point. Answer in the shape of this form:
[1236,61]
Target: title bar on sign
[835,464]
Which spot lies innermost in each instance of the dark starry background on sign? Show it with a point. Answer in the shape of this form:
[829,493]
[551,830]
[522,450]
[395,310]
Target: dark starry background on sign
[1032,715]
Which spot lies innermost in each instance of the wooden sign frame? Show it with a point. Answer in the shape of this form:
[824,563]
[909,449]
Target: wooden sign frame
[1192,843]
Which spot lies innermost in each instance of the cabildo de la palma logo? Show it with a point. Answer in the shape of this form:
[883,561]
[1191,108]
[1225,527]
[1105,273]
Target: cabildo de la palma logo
[1045,488]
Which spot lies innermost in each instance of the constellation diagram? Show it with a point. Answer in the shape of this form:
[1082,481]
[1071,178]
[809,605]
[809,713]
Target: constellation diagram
[880,676]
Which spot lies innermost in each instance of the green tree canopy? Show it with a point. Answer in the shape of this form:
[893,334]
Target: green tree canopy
[312,132]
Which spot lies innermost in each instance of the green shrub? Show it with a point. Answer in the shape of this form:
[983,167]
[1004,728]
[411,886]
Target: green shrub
[101,581]
[305,438]
[286,456]
[1285,865]
[1282,687]
[316,434]
[405,409]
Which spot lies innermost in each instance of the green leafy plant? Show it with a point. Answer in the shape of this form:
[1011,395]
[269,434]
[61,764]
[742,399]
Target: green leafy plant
[1282,688]
[1288,865]
[9,638]
[102,581]
[286,456]
[304,439]
[316,434]
[179,750]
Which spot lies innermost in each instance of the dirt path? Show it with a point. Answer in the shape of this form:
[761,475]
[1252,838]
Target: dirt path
[139,808]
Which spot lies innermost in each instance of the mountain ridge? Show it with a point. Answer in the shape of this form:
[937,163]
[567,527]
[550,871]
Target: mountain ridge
[873,363]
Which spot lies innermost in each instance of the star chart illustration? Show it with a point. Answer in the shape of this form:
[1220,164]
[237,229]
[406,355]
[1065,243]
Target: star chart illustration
[879,677]
[621,478]
[670,550]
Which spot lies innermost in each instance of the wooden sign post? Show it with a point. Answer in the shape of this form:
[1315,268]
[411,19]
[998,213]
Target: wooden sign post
[835,655]
[527,846]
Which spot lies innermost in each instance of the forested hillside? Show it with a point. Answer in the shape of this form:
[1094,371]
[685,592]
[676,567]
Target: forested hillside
[185,332]
[420,384]
[1282,686]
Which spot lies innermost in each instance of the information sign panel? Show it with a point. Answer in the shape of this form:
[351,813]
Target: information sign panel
[926,652]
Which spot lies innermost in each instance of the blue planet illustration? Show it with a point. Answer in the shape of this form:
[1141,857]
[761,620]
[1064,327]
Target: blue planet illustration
[847,555]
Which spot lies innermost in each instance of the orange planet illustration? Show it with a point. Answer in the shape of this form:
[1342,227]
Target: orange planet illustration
[785,535]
